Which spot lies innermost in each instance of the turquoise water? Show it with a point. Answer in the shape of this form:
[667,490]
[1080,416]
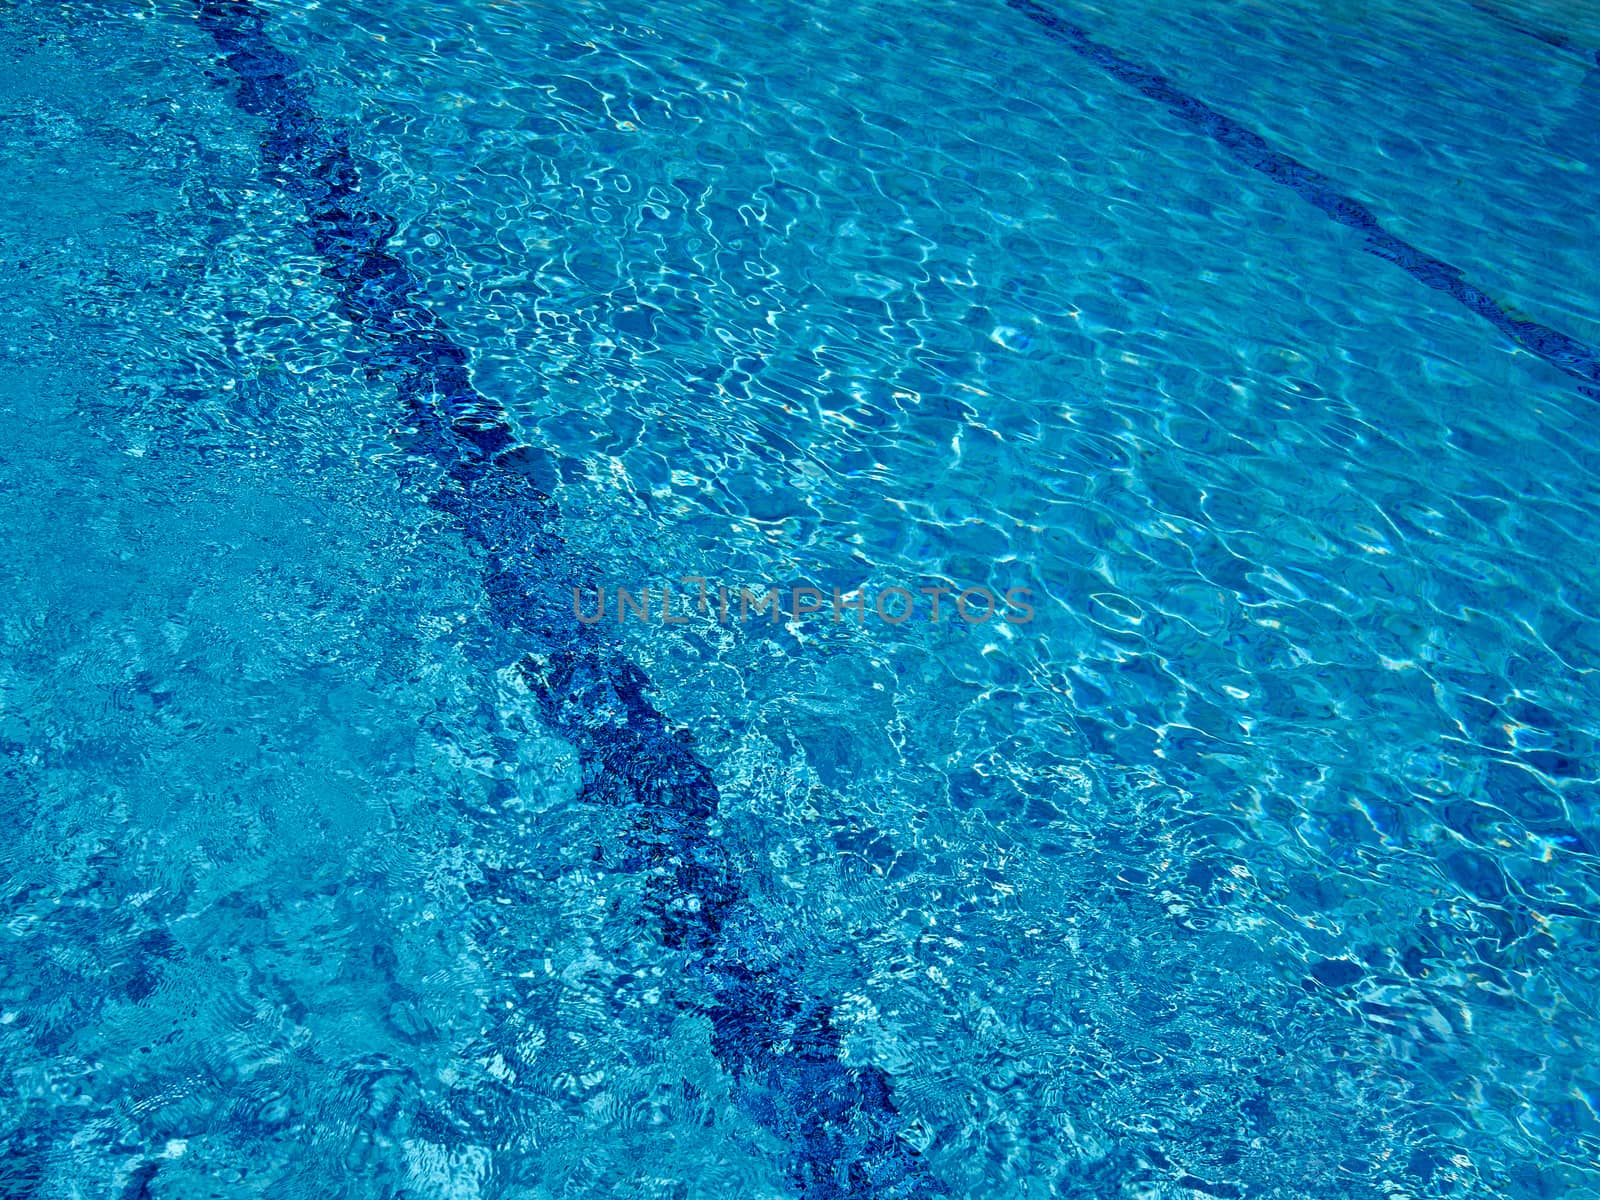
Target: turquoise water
[1256,342]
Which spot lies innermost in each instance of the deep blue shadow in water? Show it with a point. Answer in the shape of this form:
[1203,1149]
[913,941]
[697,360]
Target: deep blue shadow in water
[841,1121]
[1252,150]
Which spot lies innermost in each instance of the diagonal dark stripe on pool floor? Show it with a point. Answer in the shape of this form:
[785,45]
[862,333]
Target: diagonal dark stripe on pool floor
[775,1039]
[1252,150]
[1558,40]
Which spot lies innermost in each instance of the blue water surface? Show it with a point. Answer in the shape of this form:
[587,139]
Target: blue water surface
[1259,343]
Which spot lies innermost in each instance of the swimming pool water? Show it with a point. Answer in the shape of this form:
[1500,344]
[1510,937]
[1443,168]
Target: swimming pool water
[1258,343]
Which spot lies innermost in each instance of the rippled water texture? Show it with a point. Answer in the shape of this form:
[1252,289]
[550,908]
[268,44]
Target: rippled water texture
[1257,341]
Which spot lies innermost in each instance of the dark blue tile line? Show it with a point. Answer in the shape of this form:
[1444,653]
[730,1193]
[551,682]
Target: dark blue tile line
[776,1041]
[1559,40]
[1252,150]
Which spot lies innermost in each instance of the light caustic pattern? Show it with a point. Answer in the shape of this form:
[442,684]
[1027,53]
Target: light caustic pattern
[350,861]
